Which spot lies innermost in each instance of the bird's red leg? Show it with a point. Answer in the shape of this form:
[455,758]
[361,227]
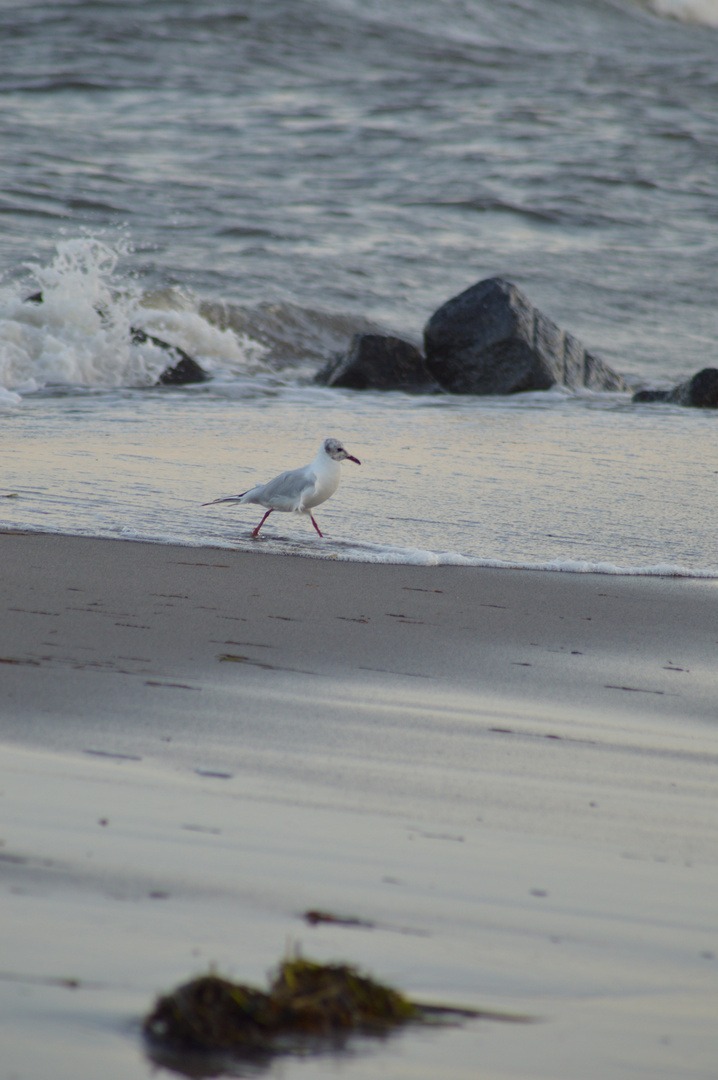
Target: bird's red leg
[316,526]
[255,531]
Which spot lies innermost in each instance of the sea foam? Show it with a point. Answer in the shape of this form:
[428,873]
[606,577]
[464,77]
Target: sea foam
[704,12]
[420,557]
[72,326]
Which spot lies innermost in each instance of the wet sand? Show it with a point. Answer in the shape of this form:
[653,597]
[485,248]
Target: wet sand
[510,774]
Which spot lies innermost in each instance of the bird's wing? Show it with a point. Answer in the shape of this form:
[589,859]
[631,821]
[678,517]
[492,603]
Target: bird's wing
[285,492]
[288,488]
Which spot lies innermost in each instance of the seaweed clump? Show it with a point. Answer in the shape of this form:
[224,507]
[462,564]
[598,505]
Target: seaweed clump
[320,999]
[210,1013]
[305,999]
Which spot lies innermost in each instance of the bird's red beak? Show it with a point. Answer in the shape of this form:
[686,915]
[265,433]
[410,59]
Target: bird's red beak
[354,459]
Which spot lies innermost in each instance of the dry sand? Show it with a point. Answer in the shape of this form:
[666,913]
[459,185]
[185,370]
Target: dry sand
[511,774]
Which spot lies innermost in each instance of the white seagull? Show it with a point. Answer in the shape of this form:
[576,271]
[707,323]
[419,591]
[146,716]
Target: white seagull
[298,490]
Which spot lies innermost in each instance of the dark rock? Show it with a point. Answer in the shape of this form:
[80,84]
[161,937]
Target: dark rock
[701,392]
[492,340]
[643,397]
[36,298]
[184,370]
[378,362]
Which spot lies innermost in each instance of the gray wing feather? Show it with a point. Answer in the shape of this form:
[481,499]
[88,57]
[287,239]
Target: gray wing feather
[227,498]
[289,485]
[281,493]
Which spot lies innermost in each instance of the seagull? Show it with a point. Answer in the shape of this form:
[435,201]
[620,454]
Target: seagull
[298,490]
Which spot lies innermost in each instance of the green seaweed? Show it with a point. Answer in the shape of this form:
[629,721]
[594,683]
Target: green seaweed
[308,1007]
[211,1013]
[325,998]
[304,998]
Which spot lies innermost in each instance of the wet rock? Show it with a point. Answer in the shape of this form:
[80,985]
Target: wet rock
[184,370]
[378,362]
[492,340]
[700,391]
[642,397]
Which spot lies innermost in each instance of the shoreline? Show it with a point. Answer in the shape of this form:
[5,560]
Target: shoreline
[398,556]
[510,774]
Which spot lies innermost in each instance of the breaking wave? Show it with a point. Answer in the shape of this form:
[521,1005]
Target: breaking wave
[73,326]
[703,12]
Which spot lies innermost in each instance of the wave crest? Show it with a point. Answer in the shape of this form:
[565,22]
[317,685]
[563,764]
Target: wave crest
[76,327]
[704,12]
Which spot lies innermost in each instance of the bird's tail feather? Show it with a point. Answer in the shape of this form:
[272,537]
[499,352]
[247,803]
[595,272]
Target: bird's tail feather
[227,498]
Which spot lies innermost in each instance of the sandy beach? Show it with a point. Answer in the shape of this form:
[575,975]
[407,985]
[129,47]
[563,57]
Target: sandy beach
[511,775]
[471,720]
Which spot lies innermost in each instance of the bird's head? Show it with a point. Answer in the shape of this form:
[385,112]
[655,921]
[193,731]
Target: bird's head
[334,449]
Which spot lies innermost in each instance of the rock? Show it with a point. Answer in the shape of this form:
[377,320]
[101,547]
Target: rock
[378,362]
[492,340]
[642,397]
[184,370]
[701,392]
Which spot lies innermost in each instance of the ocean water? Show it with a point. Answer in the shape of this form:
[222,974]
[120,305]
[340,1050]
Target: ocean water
[257,181]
